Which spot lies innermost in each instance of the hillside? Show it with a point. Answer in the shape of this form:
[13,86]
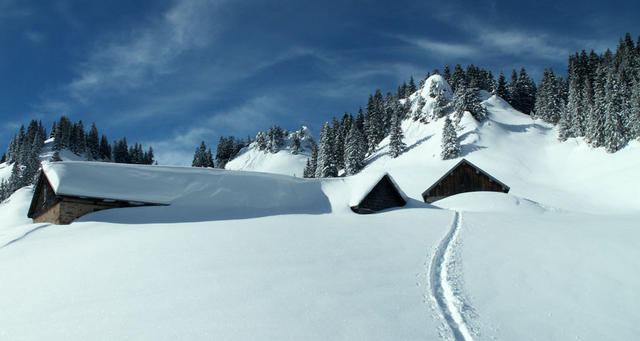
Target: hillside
[284,161]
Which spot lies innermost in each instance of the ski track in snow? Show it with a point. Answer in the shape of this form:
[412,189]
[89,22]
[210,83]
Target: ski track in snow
[28,232]
[442,286]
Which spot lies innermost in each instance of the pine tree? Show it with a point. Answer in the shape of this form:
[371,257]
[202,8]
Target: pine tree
[450,144]
[355,150]
[634,122]
[446,74]
[5,190]
[512,88]
[4,158]
[16,179]
[294,144]
[53,130]
[614,137]
[338,144]
[326,166]
[549,103]
[526,92]
[200,156]
[458,78]
[312,164]
[105,149]
[261,141]
[468,99]
[208,159]
[374,121]
[418,114]
[412,86]
[501,88]
[93,143]
[595,128]
[396,143]
[32,163]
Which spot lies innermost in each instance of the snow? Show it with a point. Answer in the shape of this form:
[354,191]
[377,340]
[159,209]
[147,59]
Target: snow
[13,211]
[249,255]
[294,277]
[282,162]
[489,202]
[563,275]
[439,84]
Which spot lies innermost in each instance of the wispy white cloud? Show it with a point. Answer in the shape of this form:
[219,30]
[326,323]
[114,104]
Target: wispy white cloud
[512,42]
[137,57]
[440,48]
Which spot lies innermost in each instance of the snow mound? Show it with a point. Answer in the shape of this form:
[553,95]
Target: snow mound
[13,211]
[251,158]
[489,202]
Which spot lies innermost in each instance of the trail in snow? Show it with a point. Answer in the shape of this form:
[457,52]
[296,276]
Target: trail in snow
[442,289]
[26,233]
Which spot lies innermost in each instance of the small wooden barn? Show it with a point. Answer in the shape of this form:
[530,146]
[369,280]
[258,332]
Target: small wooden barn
[51,207]
[383,195]
[463,177]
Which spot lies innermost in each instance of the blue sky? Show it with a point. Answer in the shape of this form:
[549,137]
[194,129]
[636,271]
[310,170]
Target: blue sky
[172,73]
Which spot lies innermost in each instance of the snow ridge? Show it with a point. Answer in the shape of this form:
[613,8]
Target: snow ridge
[442,286]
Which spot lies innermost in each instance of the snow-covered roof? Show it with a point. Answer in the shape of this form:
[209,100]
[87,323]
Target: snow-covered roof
[181,185]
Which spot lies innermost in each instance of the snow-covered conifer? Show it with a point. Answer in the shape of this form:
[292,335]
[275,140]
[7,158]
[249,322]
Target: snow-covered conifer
[450,144]
[355,150]
[501,88]
[396,143]
[294,144]
[199,156]
[412,86]
[326,166]
[468,99]
[261,141]
[614,136]
[310,168]
[418,114]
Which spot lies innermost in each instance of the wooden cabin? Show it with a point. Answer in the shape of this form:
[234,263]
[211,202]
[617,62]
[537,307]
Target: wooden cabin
[384,194]
[463,177]
[51,207]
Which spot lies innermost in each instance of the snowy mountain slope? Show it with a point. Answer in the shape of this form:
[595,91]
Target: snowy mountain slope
[523,153]
[251,158]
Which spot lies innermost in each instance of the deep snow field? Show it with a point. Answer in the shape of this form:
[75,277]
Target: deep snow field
[558,258]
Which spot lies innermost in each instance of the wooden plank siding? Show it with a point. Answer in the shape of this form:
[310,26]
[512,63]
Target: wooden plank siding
[383,195]
[464,177]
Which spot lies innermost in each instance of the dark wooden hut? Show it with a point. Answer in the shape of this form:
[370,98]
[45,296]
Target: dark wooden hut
[383,195]
[48,206]
[463,177]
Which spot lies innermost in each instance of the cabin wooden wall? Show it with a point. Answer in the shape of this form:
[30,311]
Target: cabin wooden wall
[463,179]
[384,195]
[69,209]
